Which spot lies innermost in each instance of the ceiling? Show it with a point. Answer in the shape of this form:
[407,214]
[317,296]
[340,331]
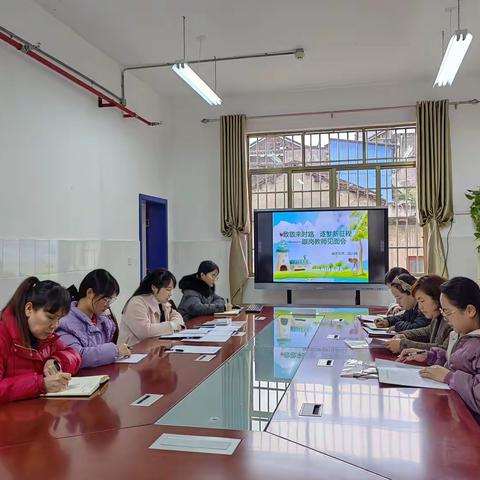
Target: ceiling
[346,42]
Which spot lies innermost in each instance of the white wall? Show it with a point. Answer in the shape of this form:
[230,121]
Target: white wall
[195,175]
[71,172]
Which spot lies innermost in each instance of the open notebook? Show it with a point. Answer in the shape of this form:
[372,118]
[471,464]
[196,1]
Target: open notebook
[81,386]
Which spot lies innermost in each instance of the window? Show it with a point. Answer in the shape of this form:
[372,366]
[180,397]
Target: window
[344,168]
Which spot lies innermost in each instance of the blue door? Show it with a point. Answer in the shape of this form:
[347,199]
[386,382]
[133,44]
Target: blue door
[153,233]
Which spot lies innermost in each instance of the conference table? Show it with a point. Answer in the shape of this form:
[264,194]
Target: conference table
[254,390]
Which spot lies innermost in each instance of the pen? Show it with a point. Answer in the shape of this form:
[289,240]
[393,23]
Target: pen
[143,399]
[174,350]
[412,354]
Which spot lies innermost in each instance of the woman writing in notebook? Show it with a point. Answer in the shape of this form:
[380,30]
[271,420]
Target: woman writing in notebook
[427,293]
[199,297]
[411,317]
[459,364]
[33,360]
[150,312]
[90,327]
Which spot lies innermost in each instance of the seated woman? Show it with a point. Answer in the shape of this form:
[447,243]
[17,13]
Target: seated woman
[411,317]
[199,297]
[90,327]
[459,364]
[33,360]
[393,273]
[149,312]
[427,293]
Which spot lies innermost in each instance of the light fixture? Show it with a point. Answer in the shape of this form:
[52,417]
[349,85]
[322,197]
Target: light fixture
[183,70]
[452,59]
[189,76]
[453,56]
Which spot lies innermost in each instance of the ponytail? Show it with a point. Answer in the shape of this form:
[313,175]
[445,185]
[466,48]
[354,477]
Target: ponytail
[47,295]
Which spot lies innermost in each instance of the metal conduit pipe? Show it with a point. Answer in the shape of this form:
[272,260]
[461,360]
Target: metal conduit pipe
[104,100]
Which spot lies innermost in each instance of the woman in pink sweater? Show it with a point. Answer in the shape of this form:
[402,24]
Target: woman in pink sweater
[149,312]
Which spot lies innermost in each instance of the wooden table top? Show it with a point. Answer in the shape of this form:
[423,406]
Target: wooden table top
[367,430]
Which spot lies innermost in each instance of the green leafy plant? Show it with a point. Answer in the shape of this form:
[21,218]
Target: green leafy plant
[474,197]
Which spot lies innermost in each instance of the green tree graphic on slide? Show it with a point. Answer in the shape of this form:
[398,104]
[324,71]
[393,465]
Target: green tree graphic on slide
[360,225]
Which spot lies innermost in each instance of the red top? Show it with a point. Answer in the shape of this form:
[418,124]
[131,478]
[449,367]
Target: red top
[21,368]
[94,319]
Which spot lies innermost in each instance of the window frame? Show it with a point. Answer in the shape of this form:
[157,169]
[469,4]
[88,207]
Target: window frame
[330,169]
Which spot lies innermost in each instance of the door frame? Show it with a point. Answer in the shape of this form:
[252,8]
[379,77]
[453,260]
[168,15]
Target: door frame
[144,199]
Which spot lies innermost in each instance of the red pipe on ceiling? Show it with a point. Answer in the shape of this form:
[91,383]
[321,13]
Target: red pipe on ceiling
[110,102]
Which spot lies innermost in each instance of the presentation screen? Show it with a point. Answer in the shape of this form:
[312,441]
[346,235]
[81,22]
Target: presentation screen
[327,246]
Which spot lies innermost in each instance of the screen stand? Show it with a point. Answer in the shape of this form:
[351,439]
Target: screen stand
[289,297]
[357,297]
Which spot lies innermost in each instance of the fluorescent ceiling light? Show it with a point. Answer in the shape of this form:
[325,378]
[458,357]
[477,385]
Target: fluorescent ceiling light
[190,77]
[452,59]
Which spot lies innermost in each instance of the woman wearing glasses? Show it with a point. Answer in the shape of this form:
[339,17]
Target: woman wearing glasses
[459,364]
[149,312]
[90,327]
[411,317]
[33,360]
[199,297]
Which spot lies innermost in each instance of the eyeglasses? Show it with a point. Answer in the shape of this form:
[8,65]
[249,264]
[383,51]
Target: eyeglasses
[447,314]
[108,300]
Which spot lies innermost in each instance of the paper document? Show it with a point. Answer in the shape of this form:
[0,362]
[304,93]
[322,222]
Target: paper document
[213,336]
[374,327]
[81,386]
[228,313]
[190,332]
[133,358]
[366,343]
[216,323]
[407,375]
[193,349]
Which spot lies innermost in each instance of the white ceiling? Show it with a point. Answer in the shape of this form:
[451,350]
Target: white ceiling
[346,42]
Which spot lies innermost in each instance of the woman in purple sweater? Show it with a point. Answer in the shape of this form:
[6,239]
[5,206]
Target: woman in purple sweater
[459,364]
[90,327]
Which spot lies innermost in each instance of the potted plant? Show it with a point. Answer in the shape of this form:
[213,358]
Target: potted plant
[474,197]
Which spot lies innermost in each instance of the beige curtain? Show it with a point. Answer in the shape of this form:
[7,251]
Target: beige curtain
[234,199]
[434,179]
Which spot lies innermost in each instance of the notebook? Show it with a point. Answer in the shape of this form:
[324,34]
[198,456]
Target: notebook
[81,386]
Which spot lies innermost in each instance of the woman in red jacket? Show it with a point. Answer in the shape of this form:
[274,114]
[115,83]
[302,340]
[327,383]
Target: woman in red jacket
[32,358]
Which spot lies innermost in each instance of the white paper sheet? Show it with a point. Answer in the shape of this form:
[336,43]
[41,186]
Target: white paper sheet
[133,358]
[193,349]
[407,375]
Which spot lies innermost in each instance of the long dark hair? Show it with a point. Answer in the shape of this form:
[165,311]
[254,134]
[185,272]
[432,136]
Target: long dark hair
[207,266]
[461,292]
[103,285]
[46,295]
[159,278]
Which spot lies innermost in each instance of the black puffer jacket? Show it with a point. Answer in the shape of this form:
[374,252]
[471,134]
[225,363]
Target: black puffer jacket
[198,298]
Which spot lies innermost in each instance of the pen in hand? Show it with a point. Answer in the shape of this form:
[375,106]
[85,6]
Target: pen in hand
[419,352]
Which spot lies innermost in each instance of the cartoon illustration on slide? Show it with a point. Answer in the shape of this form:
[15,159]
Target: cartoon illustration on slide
[326,246]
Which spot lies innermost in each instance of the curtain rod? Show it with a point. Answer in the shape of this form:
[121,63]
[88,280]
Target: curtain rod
[473,101]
